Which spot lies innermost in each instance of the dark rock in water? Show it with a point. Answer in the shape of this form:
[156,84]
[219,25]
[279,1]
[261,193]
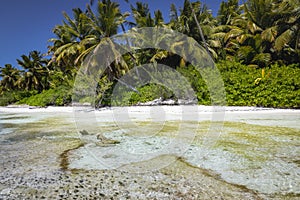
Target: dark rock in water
[101,137]
[103,141]
[106,144]
[84,132]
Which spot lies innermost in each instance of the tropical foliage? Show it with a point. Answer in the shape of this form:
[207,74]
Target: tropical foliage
[260,39]
[260,32]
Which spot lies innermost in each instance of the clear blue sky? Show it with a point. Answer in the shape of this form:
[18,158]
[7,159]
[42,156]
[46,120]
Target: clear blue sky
[26,25]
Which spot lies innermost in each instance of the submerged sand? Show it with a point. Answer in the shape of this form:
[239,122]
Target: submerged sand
[36,161]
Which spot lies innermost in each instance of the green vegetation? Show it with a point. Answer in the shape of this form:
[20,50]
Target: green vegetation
[273,86]
[146,93]
[59,96]
[256,46]
[9,97]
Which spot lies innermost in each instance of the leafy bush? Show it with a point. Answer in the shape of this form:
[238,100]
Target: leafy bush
[197,83]
[145,93]
[9,97]
[59,96]
[274,86]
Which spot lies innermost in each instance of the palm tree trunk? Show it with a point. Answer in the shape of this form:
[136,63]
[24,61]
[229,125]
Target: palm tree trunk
[200,31]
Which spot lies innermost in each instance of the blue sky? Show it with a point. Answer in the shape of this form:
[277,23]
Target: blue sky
[26,25]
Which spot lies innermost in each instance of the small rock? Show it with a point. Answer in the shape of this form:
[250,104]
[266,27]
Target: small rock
[84,132]
[101,137]
[105,141]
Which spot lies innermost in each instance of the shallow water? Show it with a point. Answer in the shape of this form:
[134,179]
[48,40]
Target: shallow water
[259,149]
[265,159]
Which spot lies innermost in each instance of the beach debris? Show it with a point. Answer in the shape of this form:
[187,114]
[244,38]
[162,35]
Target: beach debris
[101,139]
[168,102]
[84,132]
[104,141]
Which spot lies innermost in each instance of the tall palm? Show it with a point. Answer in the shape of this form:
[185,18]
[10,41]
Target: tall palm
[195,20]
[105,23]
[227,11]
[260,33]
[9,75]
[143,18]
[67,45]
[277,25]
[77,37]
[35,74]
[102,25]
[287,42]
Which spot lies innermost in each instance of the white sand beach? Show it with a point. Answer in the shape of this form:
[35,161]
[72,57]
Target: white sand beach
[255,115]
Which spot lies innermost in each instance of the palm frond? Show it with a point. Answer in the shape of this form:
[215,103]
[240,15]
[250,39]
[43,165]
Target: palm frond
[283,39]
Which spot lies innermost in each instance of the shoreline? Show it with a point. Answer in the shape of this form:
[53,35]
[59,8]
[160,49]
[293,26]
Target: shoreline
[133,114]
[167,108]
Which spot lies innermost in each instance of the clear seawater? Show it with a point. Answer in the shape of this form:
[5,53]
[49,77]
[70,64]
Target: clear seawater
[256,148]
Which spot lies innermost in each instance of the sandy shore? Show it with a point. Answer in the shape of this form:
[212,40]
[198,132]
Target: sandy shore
[169,109]
[253,115]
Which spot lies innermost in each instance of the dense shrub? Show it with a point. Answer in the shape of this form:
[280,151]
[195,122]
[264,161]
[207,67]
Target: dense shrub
[9,97]
[59,96]
[274,86]
[143,94]
[197,83]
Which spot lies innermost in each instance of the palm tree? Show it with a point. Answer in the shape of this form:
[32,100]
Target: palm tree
[67,45]
[227,11]
[9,75]
[287,26]
[143,18]
[35,74]
[196,21]
[263,32]
[277,23]
[78,37]
[104,24]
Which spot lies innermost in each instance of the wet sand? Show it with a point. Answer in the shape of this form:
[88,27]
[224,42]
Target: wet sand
[35,165]
[35,170]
